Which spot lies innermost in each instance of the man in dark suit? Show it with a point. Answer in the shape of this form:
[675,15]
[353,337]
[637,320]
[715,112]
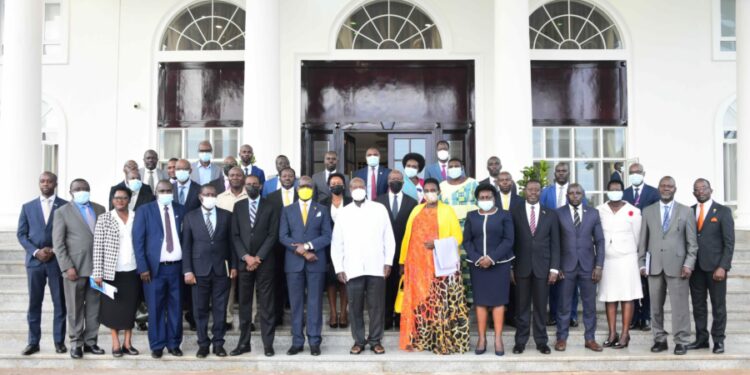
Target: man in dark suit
[247,163]
[508,199]
[255,231]
[221,184]
[281,198]
[320,179]
[494,166]
[641,195]
[581,262]
[537,250]
[35,235]
[208,265]
[617,173]
[399,207]
[715,226]
[305,232]
[439,169]
[158,254]
[186,192]
[142,193]
[375,175]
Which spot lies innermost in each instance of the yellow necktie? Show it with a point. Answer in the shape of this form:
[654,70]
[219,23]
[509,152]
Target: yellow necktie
[506,202]
[304,213]
[286,198]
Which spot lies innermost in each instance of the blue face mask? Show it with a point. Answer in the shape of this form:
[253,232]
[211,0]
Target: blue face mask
[165,199]
[81,197]
[204,156]
[182,175]
[135,185]
[486,205]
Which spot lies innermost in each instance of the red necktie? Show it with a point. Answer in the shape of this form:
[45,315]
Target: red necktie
[373,187]
[442,172]
[168,230]
[532,221]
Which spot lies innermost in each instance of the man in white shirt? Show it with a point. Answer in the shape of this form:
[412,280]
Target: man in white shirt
[150,174]
[362,252]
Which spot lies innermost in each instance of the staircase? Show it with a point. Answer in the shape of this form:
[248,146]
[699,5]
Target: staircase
[336,342]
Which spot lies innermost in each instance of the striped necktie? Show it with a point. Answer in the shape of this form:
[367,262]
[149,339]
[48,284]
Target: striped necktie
[253,211]
[209,225]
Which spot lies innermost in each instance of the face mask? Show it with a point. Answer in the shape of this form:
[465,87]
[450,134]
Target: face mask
[443,155]
[486,205]
[454,173]
[227,168]
[209,202]
[305,193]
[431,197]
[373,161]
[620,169]
[204,156]
[337,189]
[614,195]
[636,179]
[253,192]
[395,186]
[81,197]
[135,185]
[359,195]
[182,175]
[165,199]
[410,172]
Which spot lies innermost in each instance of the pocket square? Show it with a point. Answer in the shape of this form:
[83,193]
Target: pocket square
[714,220]
[318,215]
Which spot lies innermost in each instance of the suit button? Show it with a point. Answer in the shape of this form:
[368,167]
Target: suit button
[212,242]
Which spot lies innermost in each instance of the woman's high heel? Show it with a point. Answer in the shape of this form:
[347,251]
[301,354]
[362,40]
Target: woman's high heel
[479,351]
[610,343]
[623,343]
[333,321]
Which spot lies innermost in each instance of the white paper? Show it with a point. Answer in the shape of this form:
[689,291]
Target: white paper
[107,289]
[648,263]
[445,256]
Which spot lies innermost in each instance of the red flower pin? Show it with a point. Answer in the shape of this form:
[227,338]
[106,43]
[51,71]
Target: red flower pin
[630,213]
[714,220]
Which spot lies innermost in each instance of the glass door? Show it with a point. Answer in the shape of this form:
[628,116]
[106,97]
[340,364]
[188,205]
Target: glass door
[400,144]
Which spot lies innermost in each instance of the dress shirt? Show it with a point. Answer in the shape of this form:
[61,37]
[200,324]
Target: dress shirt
[126,256]
[564,194]
[211,216]
[572,212]
[362,241]
[537,207]
[400,196]
[82,208]
[335,210]
[204,173]
[505,201]
[706,205]
[133,197]
[49,203]
[247,169]
[179,187]
[662,205]
[176,253]
[369,181]
[307,209]
[227,199]
[148,173]
[284,195]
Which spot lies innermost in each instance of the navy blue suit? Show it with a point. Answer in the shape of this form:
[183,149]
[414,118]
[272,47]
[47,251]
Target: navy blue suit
[301,274]
[581,250]
[647,195]
[255,171]
[382,179]
[34,234]
[163,293]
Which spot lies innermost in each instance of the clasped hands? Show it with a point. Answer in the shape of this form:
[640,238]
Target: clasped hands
[44,254]
[300,250]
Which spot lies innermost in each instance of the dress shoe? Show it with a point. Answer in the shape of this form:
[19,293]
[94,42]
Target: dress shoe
[117,353]
[697,345]
[499,353]
[315,350]
[252,327]
[30,349]
[718,348]
[177,352]
[239,350]
[610,342]
[202,352]
[659,347]
[551,322]
[156,354]
[269,352]
[573,323]
[228,326]
[60,348]
[518,349]
[646,325]
[93,349]
[219,351]
[622,343]
[593,345]
[511,322]
[130,351]
[142,326]
[560,345]
[636,324]
[294,350]
[76,353]
[680,349]
[543,348]
[480,351]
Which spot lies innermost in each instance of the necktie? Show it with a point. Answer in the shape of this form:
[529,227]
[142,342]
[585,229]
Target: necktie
[151,178]
[90,218]
[506,202]
[576,217]
[253,210]
[442,172]
[373,187]
[209,225]
[637,197]
[700,218]
[182,195]
[226,184]
[168,230]
[46,205]
[532,221]
[665,221]
[304,213]
[287,199]
[560,199]
[247,171]
[394,207]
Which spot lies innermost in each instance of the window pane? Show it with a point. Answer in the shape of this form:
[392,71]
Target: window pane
[170,144]
[609,172]
[538,143]
[558,143]
[587,143]
[400,148]
[614,142]
[52,50]
[319,150]
[194,137]
[52,22]
[728,46]
[595,199]
[728,8]
[730,172]
[419,146]
[225,143]
[457,150]
[587,173]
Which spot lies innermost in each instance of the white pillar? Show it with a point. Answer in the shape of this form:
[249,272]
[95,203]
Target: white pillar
[20,118]
[743,114]
[262,124]
[512,90]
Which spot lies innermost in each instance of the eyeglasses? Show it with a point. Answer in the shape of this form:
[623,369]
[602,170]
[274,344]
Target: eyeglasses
[120,198]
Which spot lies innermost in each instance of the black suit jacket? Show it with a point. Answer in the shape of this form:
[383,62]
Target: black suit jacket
[716,238]
[202,253]
[515,201]
[406,205]
[218,184]
[145,195]
[259,239]
[192,201]
[536,254]
[487,180]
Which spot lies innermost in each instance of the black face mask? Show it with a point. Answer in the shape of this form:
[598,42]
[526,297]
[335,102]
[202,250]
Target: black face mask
[253,192]
[337,189]
[395,186]
[227,168]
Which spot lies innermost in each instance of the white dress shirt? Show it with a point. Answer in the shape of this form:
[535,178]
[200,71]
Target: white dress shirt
[561,191]
[335,210]
[126,256]
[47,204]
[537,207]
[706,205]
[400,196]
[362,240]
[284,195]
[662,206]
[572,212]
[176,253]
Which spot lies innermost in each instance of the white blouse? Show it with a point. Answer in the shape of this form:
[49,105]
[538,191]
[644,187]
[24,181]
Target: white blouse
[126,257]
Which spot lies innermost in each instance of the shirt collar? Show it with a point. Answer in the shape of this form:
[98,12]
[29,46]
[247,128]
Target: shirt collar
[52,198]
[529,205]
[205,211]
[186,184]
[706,204]
[399,195]
[670,204]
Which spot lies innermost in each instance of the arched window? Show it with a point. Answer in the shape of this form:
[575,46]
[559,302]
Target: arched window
[388,24]
[730,155]
[572,24]
[206,26]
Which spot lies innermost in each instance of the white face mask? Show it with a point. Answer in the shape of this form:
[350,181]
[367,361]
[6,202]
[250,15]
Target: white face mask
[443,155]
[431,197]
[410,172]
[209,202]
[373,160]
[454,173]
[615,196]
[359,194]
[636,179]
[486,205]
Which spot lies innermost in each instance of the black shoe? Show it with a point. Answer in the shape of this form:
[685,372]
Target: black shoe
[156,354]
[718,348]
[76,353]
[219,351]
[279,322]
[60,348]
[611,341]
[202,352]
[315,350]
[636,324]
[697,345]
[510,322]
[240,350]
[30,349]
[93,349]
[680,349]
[573,323]
[142,326]
[543,348]
[177,352]
[659,347]
[228,326]
[130,351]
[518,349]
[646,325]
[117,353]
[294,350]
[252,327]
[551,322]
[269,352]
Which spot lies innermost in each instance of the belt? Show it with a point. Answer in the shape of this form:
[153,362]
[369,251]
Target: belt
[171,262]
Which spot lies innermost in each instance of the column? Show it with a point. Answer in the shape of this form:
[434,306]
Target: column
[20,116]
[743,114]
[512,89]
[262,127]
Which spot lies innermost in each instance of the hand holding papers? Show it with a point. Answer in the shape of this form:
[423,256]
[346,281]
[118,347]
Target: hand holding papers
[445,256]
[107,289]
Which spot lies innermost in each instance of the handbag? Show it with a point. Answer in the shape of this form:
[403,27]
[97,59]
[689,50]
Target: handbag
[399,296]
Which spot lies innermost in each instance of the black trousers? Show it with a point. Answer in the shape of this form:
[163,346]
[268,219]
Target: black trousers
[281,295]
[262,281]
[702,284]
[531,290]
[210,294]
[370,290]
[391,290]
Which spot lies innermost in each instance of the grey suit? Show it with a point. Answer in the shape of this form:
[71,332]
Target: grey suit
[669,252]
[216,172]
[159,174]
[321,186]
[73,244]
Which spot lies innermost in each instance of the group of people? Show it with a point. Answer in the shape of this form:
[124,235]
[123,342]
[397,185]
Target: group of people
[418,253]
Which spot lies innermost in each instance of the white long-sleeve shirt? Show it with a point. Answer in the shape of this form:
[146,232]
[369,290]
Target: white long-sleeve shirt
[362,240]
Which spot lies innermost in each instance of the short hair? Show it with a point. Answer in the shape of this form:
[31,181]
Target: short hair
[122,188]
[443,141]
[615,182]
[208,186]
[485,187]
[249,176]
[702,180]
[456,159]
[331,152]
[287,169]
[534,181]
[358,180]
[50,175]
[172,160]
[432,181]
[396,171]
[335,175]
[562,163]
[574,185]
[505,172]
[78,180]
